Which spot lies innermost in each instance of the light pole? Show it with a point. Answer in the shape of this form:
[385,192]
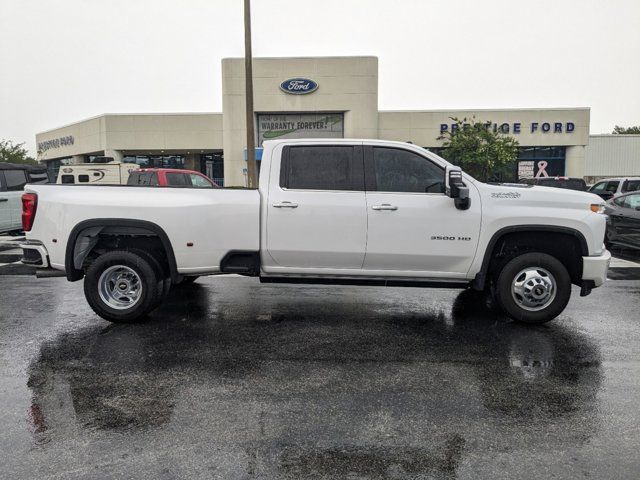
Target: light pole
[252,178]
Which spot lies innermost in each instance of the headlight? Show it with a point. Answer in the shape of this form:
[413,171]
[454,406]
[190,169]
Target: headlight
[597,207]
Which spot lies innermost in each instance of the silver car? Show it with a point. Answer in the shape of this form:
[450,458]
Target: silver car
[612,187]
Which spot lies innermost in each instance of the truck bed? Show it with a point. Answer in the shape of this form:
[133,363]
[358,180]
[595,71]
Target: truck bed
[203,225]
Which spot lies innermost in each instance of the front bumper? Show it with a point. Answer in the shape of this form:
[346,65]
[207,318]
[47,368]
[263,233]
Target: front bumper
[594,269]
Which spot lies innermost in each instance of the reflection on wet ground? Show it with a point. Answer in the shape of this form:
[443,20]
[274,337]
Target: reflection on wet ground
[315,382]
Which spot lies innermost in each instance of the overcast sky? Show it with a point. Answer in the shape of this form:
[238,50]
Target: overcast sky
[66,60]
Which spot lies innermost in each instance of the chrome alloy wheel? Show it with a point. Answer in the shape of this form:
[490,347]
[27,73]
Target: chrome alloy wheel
[120,287]
[533,288]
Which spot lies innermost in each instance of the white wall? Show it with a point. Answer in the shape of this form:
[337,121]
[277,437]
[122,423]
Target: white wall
[612,156]
[113,134]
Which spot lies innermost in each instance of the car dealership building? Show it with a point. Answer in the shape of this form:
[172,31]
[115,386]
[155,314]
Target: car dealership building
[320,97]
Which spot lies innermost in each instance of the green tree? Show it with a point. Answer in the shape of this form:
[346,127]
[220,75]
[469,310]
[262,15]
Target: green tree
[618,130]
[15,153]
[480,150]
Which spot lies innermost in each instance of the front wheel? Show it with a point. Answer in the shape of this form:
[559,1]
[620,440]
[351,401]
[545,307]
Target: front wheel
[533,288]
[122,286]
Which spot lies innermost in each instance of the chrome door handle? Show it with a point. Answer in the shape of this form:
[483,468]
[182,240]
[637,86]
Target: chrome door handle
[384,206]
[285,205]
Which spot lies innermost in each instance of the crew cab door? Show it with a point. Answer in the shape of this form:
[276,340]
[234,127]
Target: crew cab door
[316,216]
[414,228]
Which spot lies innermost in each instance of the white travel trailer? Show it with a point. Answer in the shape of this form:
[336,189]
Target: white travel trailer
[112,173]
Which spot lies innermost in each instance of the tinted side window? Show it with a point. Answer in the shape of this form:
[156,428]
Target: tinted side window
[200,182]
[631,186]
[38,177]
[400,170]
[142,178]
[598,187]
[83,178]
[15,179]
[176,179]
[547,182]
[576,184]
[134,179]
[319,168]
[612,186]
[67,179]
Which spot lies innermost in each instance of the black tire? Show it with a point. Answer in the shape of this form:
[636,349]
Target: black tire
[506,300]
[164,282]
[146,277]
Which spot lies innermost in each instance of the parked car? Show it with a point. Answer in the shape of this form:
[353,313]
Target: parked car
[612,187]
[558,182]
[112,173]
[363,212]
[170,177]
[13,178]
[623,225]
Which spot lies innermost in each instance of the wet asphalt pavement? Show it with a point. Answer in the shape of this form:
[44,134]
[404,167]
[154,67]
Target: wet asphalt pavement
[234,379]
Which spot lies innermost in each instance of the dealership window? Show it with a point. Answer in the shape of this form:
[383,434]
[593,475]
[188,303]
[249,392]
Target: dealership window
[156,161]
[541,162]
[97,159]
[542,153]
[212,165]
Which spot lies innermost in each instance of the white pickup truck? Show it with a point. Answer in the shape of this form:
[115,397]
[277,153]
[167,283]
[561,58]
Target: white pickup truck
[363,212]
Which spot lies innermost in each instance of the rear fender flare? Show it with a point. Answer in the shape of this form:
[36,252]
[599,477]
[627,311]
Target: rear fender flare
[72,257]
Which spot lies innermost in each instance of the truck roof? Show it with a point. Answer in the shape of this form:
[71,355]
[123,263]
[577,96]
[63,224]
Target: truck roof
[336,140]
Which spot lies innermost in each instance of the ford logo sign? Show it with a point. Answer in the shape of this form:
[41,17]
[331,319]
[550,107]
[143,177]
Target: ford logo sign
[298,86]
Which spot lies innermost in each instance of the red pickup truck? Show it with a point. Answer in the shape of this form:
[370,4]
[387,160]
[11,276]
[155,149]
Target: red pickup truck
[170,177]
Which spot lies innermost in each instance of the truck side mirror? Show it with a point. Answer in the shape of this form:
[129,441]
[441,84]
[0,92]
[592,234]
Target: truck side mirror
[456,188]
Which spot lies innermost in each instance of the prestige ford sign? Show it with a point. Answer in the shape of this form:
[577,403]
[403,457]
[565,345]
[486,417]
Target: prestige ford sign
[516,127]
[298,86]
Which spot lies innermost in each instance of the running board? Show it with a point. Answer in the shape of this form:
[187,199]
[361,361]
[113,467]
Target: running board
[371,282]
